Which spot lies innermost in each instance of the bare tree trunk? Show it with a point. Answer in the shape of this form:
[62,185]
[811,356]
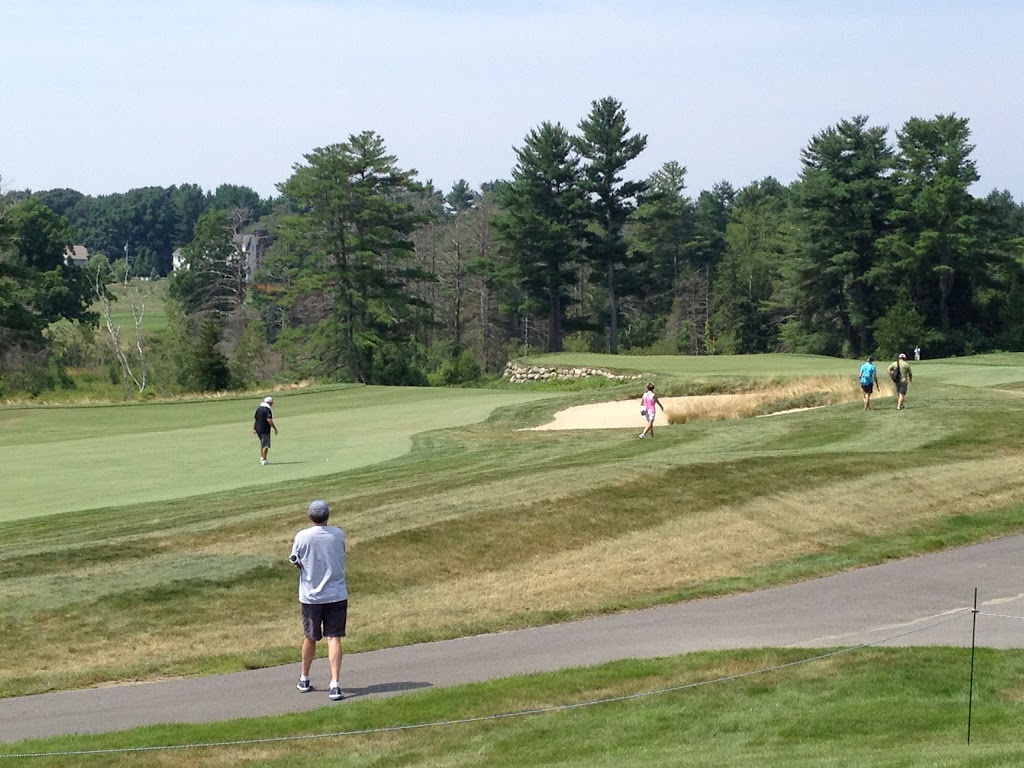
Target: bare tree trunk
[133,374]
[555,323]
[613,309]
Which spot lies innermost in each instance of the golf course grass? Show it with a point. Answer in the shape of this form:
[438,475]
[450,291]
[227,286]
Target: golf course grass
[153,520]
[794,708]
[67,458]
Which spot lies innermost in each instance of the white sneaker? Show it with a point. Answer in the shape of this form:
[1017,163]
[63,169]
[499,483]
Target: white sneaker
[641,435]
[264,461]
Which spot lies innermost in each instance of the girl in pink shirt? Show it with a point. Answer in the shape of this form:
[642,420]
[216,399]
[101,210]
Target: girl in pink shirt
[649,403]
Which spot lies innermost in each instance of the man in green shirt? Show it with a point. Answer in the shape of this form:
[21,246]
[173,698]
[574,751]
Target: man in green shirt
[901,376]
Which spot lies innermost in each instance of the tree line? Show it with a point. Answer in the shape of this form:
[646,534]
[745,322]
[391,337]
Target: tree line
[371,275]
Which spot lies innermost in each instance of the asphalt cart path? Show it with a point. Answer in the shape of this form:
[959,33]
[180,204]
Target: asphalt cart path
[902,603]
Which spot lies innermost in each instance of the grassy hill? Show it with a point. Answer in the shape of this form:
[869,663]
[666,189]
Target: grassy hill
[152,518]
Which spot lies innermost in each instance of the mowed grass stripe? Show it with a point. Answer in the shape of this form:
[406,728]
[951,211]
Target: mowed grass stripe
[604,552]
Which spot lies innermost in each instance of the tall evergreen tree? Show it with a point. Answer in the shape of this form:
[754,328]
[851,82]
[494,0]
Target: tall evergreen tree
[710,218]
[1002,229]
[212,279]
[347,252]
[938,256]
[542,220]
[749,281]
[662,227]
[607,145]
[843,200]
[461,197]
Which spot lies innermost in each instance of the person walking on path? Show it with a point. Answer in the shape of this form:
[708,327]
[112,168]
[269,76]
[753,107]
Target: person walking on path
[319,553]
[263,422]
[648,405]
[868,381]
[901,376]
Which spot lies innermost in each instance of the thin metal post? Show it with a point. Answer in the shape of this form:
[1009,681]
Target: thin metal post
[970,696]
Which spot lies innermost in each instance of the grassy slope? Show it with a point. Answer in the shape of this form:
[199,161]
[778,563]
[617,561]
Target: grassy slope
[486,527]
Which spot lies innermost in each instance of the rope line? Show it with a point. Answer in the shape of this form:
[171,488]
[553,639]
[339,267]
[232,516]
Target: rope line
[485,718]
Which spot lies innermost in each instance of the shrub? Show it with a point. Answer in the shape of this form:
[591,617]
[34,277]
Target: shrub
[899,330]
[462,369]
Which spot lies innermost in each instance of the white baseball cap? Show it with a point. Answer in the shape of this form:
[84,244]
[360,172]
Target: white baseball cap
[268,400]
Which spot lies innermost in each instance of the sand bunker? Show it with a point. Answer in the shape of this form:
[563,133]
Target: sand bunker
[618,415]
[625,414]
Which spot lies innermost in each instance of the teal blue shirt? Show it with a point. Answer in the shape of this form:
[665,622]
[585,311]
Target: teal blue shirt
[868,372]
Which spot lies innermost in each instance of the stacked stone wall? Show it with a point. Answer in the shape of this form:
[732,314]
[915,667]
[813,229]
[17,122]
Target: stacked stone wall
[517,373]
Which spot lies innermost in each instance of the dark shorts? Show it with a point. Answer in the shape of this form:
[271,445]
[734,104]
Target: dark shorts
[868,388]
[901,386]
[324,620]
[264,439]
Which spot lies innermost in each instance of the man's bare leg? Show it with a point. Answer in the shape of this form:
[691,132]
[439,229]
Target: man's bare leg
[308,654]
[334,653]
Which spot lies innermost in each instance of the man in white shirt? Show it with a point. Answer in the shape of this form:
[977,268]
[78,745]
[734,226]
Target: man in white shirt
[319,553]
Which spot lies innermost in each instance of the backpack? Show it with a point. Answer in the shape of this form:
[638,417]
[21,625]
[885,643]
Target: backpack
[895,373]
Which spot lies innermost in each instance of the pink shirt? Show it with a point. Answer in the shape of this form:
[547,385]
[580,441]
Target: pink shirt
[649,400]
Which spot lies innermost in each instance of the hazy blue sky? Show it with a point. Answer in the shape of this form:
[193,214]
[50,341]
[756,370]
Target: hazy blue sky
[106,95]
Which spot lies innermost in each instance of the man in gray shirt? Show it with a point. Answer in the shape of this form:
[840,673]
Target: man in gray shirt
[319,554]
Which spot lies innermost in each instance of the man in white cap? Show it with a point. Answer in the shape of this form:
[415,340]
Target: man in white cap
[263,422]
[319,553]
[901,376]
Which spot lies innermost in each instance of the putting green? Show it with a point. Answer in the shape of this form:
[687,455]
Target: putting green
[74,458]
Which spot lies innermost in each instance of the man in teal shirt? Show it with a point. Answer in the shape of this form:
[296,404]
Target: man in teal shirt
[868,381]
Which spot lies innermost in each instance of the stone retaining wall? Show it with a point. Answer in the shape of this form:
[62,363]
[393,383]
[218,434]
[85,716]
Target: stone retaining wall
[519,374]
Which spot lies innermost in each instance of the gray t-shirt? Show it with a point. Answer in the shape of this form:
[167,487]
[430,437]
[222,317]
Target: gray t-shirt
[321,550]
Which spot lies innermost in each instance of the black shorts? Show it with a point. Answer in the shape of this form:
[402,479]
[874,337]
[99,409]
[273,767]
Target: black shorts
[322,620]
[868,388]
[264,439]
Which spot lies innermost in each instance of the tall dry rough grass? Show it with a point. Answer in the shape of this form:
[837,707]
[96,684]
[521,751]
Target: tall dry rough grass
[811,392]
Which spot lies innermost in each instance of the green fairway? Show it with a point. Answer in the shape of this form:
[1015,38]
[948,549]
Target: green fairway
[980,371]
[74,458]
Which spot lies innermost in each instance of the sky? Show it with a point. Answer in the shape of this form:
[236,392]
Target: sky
[104,96]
